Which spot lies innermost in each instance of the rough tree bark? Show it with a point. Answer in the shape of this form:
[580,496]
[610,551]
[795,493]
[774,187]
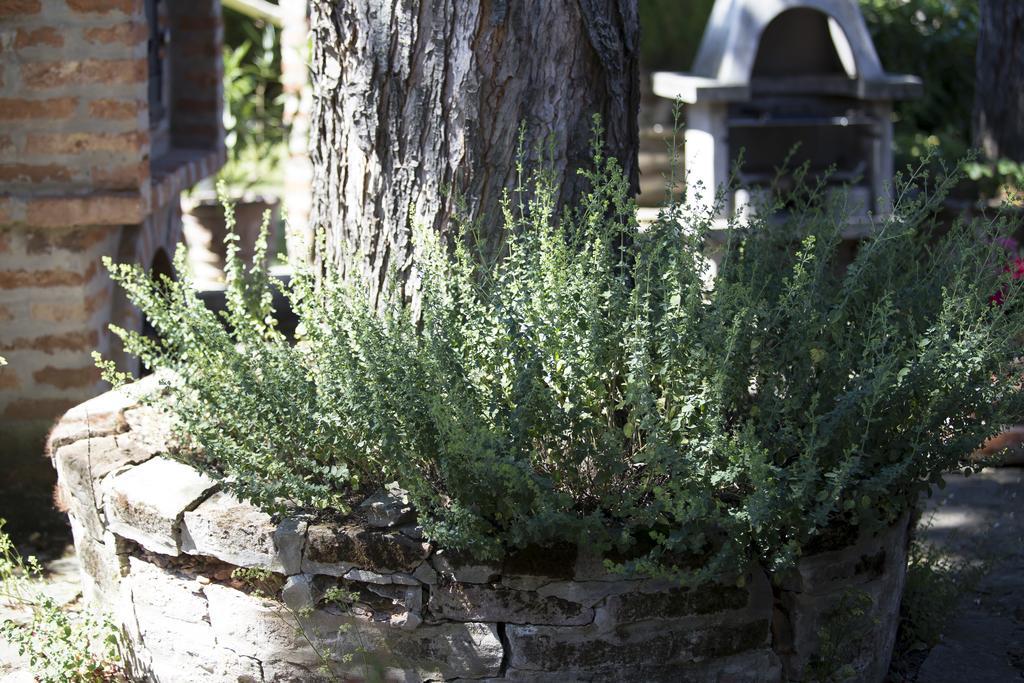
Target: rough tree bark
[419,102]
[999,98]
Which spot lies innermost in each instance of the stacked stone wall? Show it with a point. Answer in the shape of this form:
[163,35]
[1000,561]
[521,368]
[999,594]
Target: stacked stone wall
[160,543]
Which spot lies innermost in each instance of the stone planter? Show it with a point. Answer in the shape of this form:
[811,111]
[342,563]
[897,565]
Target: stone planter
[158,543]
[204,230]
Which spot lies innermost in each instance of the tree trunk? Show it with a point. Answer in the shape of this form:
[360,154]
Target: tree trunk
[999,97]
[418,104]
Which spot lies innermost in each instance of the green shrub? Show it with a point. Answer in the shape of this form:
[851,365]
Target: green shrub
[590,386]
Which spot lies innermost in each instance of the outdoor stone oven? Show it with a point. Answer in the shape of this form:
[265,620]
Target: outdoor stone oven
[108,110]
[159,543]
[773,73]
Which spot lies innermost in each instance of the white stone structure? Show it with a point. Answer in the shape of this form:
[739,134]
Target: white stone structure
[773,73]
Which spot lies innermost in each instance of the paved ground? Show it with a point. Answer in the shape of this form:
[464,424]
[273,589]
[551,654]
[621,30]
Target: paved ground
[977,517]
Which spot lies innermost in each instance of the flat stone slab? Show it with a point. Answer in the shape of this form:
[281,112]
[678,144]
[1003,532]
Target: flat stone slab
[459,569]
[335,550]
[146,503]
[476,602]
[171,617]
[569,649]
[256,629]
[388,508]
[81,467]
[104,414]
[241,534]
[865,561]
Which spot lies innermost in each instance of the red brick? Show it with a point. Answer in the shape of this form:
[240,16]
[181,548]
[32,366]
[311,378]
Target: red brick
[102,5]
[85,72]
[45,241]
[125,177]
[70,312]
[77,143]
[14,109]
[6,217]
[46,35]
[12,279]
[59,313]
[8,380]
[67,378]
[33,173]
[10,8]
[53,212]
[50,343]
[39,408]
[121,34]
[115,109]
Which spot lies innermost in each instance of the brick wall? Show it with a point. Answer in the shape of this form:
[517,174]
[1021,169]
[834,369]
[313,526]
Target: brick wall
[198,36]
[73,96]
[79,179]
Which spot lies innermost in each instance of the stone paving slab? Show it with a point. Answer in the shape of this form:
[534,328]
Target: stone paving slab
[977,517]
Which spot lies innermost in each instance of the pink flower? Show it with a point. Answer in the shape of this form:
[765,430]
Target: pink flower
[1017,273]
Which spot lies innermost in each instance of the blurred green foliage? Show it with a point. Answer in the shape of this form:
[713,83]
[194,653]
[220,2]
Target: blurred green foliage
[936,40]
[670,32]
[256,136]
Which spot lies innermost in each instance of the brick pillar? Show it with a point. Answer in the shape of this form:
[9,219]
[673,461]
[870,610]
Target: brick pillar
[197,31]
[77,182]
[73,161]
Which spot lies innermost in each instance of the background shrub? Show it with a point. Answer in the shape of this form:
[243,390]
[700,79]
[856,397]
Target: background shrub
[936,40]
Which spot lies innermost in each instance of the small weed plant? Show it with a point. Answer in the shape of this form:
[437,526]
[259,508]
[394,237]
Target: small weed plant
[264,584]
[595,385]
[936,581]
[60,645]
